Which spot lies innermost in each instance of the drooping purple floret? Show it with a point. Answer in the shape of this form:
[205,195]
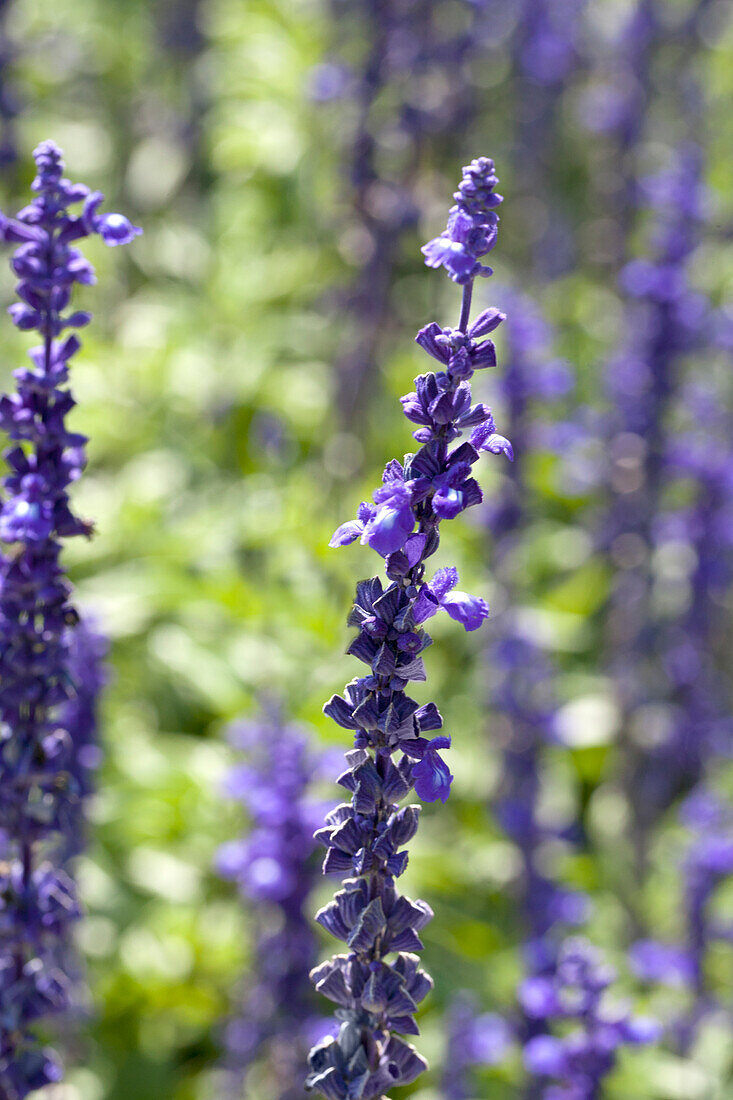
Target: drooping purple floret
[79,715]
[47,683]
[274,868]
[378,984]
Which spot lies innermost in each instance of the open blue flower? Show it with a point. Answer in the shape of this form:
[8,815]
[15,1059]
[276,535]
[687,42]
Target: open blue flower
[469,611]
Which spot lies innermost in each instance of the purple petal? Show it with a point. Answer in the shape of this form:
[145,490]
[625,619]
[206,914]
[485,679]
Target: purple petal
[414,548]
[448,503]
[469,611]
[346,533]
[425,606]
[486,322]
[426,338]
[484,438]
[443,581]
[388,529]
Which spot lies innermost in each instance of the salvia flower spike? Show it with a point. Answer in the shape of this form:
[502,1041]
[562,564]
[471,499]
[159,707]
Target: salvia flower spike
[40,777]
[378,983]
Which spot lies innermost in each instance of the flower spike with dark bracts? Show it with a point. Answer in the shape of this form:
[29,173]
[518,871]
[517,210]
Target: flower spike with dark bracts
[46,723]
[378,984]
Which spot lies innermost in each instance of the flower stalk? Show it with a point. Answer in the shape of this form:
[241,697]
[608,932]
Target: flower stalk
[378,984]
[41,774]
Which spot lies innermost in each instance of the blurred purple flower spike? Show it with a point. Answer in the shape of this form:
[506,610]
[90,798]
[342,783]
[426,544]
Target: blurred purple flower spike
[274,868]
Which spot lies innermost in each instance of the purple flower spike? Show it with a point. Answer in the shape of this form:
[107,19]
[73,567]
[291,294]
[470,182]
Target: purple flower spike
[378,985]
[50,671]
[469,611]
[431,775]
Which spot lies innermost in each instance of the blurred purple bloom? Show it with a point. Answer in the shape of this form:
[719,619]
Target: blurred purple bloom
[431,776]
[274,868]
[473,1040]
[578,1059]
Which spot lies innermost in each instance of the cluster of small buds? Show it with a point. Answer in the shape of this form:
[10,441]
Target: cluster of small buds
[275,870]
[574,1065]
[378,984]
[472,227]
[41,744]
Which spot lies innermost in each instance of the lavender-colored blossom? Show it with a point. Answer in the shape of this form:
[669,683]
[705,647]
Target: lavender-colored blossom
[275,870]
[45,706]
[378,984]
[573,1064]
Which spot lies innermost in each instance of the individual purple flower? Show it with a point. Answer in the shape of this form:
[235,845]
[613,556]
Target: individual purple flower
[386,525]
[378,984]
[274,868]
[49,671]
[469,611]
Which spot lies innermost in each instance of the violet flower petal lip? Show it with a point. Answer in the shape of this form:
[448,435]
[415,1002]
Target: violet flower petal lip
[469,611]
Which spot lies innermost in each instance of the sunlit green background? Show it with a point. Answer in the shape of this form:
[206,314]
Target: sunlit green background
[210,569]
